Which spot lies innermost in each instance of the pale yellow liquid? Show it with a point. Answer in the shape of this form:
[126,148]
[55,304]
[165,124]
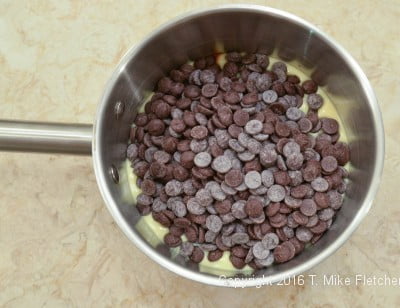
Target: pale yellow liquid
[154,233]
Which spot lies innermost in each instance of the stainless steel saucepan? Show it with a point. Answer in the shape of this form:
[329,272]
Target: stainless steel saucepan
[238,27]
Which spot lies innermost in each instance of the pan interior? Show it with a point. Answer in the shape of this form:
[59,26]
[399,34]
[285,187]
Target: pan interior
[247,29]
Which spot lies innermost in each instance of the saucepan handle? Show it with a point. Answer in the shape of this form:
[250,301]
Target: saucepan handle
[21,136]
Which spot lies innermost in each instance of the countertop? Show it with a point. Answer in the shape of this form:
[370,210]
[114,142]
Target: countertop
[59,246]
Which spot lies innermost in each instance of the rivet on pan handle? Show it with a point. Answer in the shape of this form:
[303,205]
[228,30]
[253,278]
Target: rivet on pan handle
[20,136]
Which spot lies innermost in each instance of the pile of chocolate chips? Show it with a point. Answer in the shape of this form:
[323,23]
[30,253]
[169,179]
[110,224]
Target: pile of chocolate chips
[225,157]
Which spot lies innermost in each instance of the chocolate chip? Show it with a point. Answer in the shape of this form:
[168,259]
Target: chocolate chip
[191,233]
[221,164]
[253,208]
[294,114]
[246,156]
[243,139]
[214,223]
[240,238]
[281,178]
[233,56]
[202,159]
[268,157]
[141,119]
[186,249]
[182,222]
[162,110]
[178,208]
[232,97]
[295,161]
[335,199]
[330,126]
[162,157]
[341,153]
[320,227]
[239,251]
[238,209]
[204,197]
[143,209]
[148,187]
[267,178]
[215,255]
[309,86]
[223,207]
[272,209]
[321,199]
[282,129]
[156,127]
[308,207]
[227,189]
[268,128]
[182,146]
[254,146]
[305,125]
[260,251]
[225,115]
[187,159]
[198,146]
[144,199]
[253,127]
[207,76]
[276,193]
[178,125]
[263,82]
[260,263]
[234,178]
[270,241]
[290,148]
[189,118]
[149,154]
[241,117]
[172,240]
[282,253]
[329,164]
[235,145]
[194,207]
[132,152]
[209,90]
[252,179]
[312,221]
[210,236]
[222,137]
[303,234]
[315,101]
[161,218]
[199,132]
[237,262]
[158,205]
[197,255]
[299,218]
[320,184]
[173,188]
[326,214]
[281,74]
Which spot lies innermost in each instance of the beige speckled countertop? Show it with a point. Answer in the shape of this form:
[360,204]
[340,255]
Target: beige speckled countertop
[59,246]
